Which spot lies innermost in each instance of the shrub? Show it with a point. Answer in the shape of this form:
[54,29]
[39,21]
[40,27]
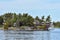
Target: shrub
[6,25]
[41,27]
[22,27]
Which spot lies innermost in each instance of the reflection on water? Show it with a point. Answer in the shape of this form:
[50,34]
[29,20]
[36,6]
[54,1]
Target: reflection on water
[25,35]
[29,35]
[18,35]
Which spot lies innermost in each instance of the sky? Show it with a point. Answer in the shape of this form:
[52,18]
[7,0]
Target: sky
[32,7]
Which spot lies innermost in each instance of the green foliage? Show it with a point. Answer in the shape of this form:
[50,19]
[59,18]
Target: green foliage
[19,16]
[56,24]
[24,19]
[6,25]
[1,20]
[37,18]
[48,18]
[42,18]
[1,25]
[7,16]
[25,14]
[22,27]
[41,27]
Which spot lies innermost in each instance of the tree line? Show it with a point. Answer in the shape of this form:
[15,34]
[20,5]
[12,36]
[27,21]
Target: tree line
[56,24]
[24,19]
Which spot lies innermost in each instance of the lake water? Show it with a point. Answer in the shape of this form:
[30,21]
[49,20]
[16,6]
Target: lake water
[30,35]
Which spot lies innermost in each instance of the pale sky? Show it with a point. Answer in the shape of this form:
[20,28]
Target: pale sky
[33,7]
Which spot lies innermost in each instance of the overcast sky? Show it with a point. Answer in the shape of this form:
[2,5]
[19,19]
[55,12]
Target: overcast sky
[33,7]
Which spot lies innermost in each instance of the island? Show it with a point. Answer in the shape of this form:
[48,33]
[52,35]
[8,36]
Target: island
[13,21]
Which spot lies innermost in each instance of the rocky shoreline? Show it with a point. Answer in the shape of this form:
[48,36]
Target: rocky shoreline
[18,29]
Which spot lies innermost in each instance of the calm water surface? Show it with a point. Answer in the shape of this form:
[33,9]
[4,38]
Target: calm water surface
[30,35]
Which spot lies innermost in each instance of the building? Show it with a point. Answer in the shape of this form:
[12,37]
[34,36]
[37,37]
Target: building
[36,22]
